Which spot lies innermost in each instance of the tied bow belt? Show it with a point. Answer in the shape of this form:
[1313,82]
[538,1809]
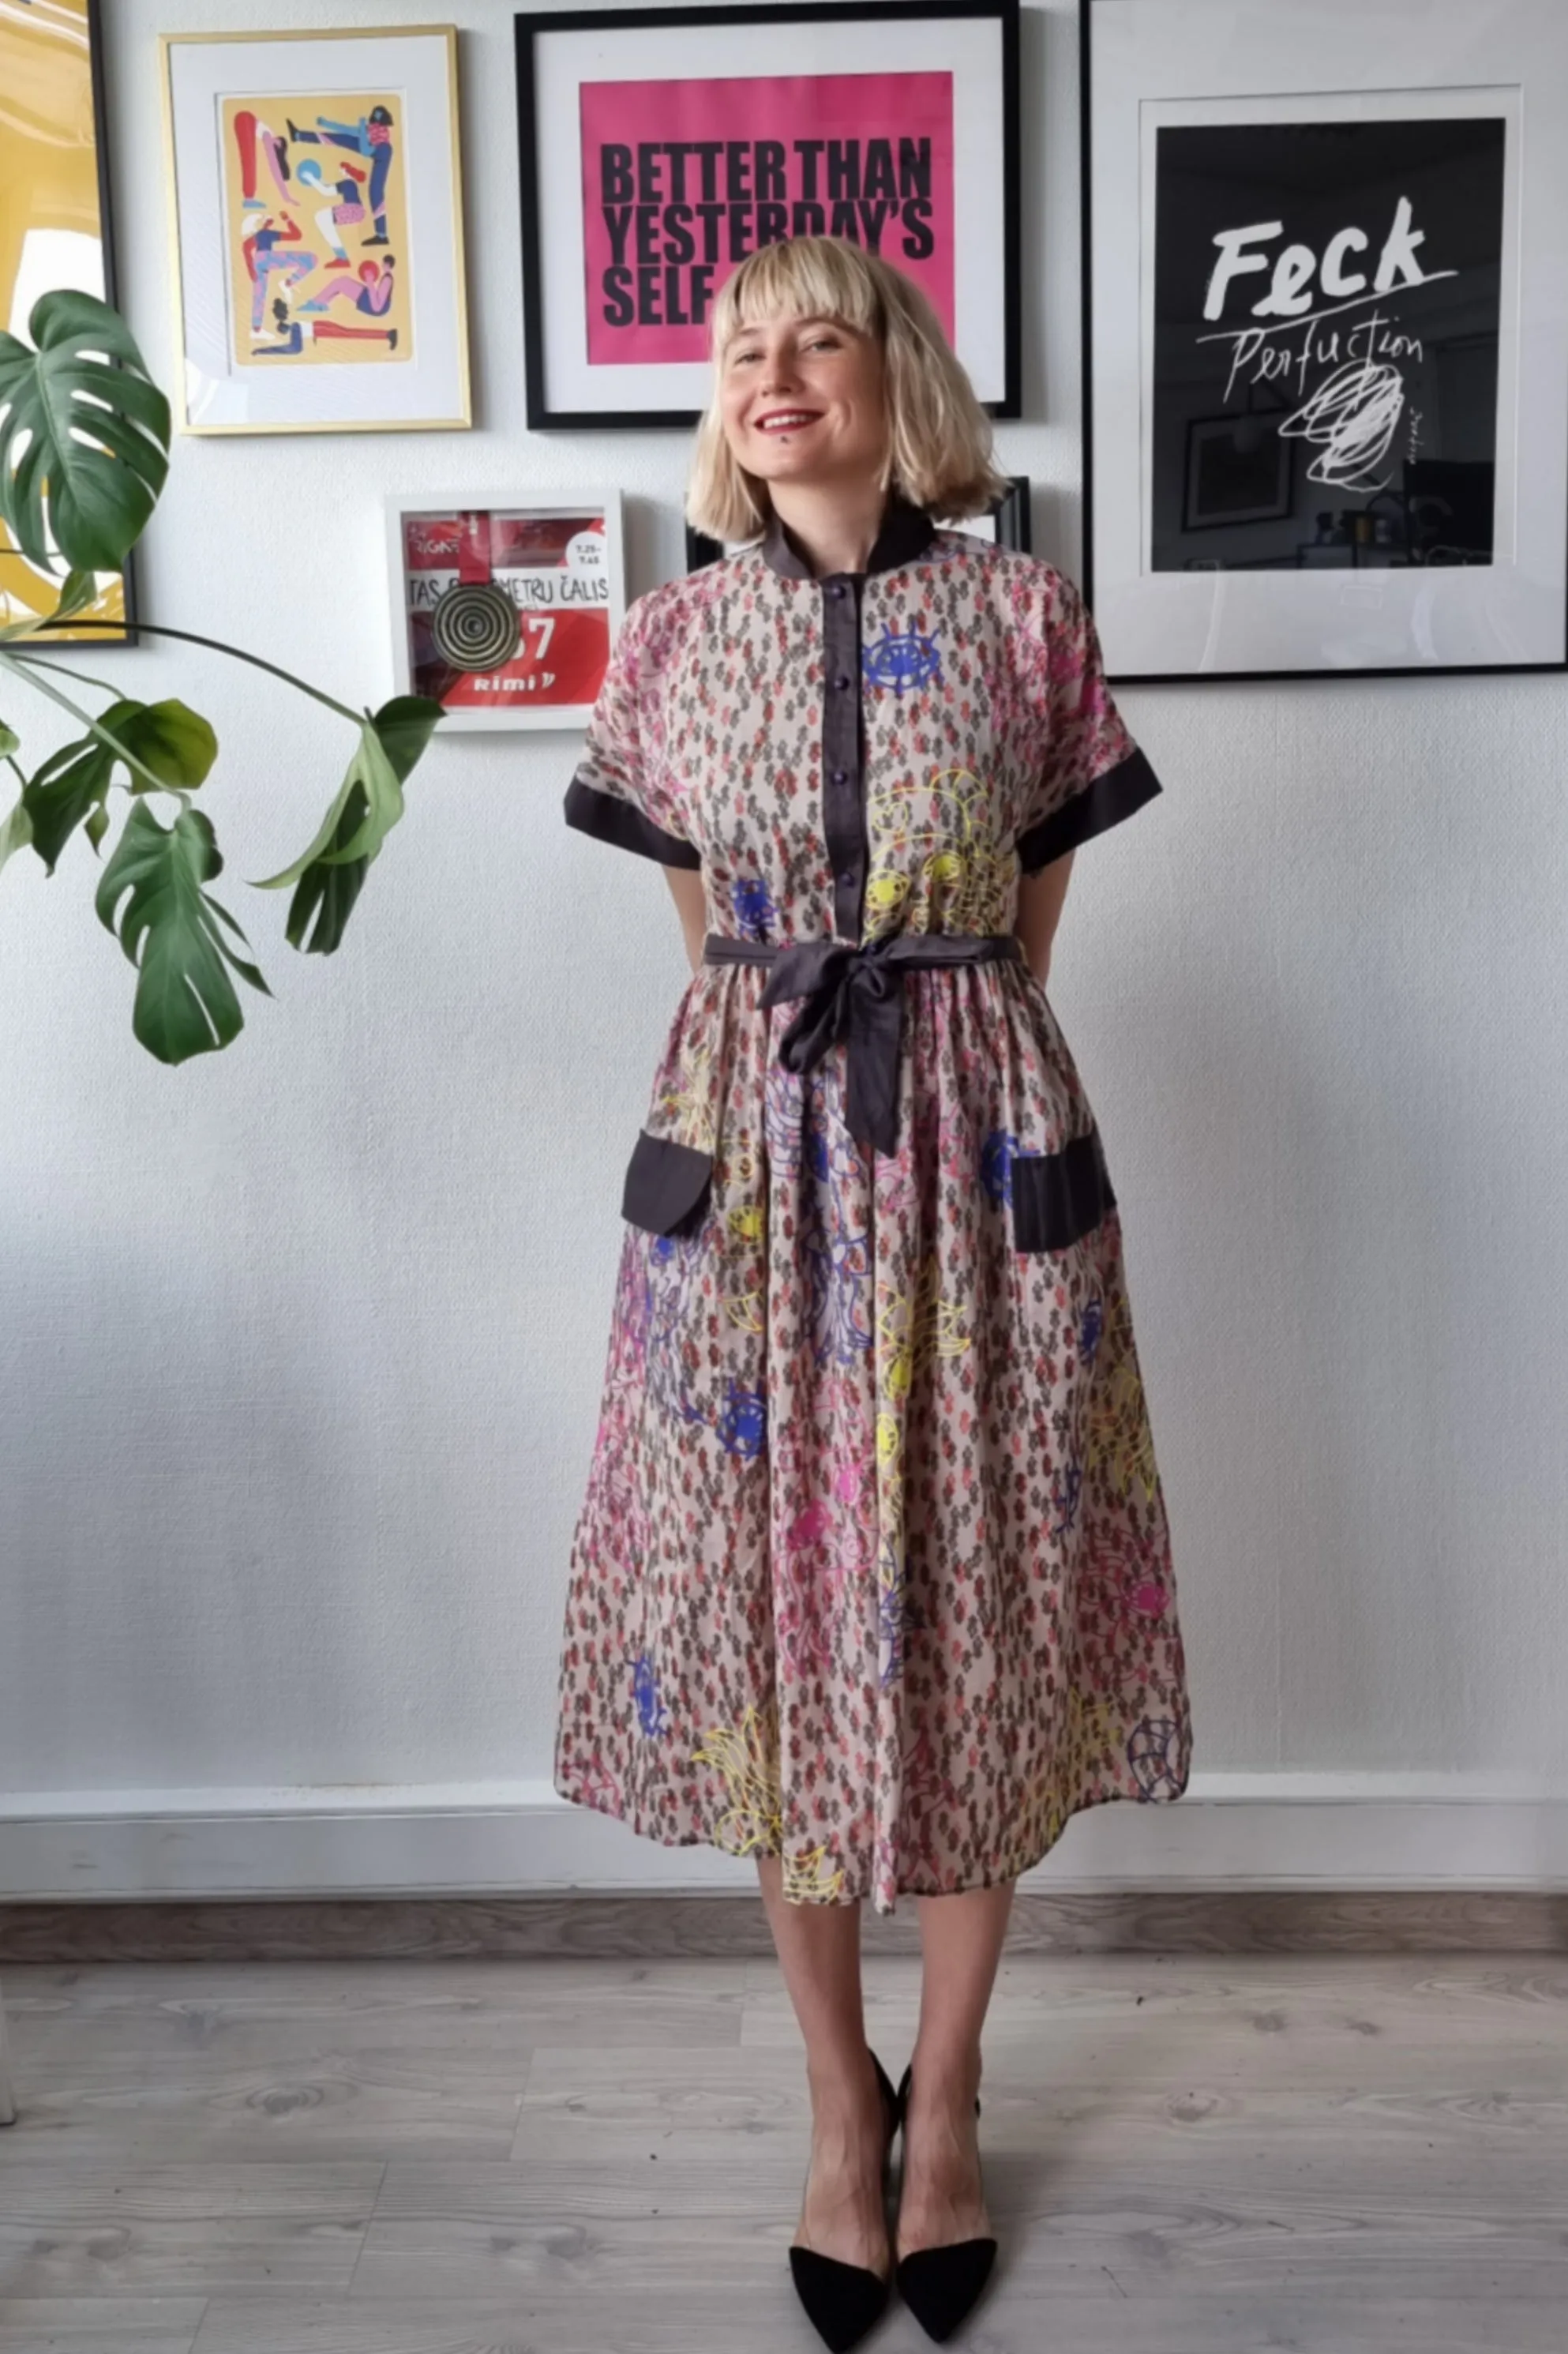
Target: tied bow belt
[857,994]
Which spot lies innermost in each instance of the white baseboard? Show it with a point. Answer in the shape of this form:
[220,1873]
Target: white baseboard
[1256,1830]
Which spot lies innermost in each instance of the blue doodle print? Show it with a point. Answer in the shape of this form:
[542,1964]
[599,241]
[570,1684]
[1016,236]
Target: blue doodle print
[754,912]
[1154,1752]
[652,1717]
[1090,1330]
[896,1620]
[743,1425]
[1065,1491]
[670,1265]
[908,659]
[996,1165]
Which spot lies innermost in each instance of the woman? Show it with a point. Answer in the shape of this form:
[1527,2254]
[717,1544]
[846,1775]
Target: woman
[873,1578]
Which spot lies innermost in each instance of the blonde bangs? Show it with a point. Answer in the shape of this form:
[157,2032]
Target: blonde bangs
[940,438]
[798,278]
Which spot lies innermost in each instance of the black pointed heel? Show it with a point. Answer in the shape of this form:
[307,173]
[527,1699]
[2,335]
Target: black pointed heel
[940,2286]
[841,2300]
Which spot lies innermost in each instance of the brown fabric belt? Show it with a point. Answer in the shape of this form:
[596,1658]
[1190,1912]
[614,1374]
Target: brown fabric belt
[857,994]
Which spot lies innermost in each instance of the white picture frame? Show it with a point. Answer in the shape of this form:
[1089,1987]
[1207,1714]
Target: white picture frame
[527,548]
[258,349]
[1342,590]
[616,293]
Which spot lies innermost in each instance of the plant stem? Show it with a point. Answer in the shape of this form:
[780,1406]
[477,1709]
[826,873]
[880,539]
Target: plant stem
[60,668]
[12,763]
[40,687]
[216,646]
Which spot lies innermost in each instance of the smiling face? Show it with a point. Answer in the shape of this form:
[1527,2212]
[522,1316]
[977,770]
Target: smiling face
[802,400]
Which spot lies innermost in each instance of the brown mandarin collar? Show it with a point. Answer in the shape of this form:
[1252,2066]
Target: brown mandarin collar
[906,532]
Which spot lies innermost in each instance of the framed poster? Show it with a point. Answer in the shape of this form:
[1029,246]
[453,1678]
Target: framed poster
[504,611]
[314,182]
[658,146]
[1326,336]
[54,232]
[1006,522]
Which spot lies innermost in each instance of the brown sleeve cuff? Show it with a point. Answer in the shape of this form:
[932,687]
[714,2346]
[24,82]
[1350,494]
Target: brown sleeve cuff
[1102,804]
[608,819]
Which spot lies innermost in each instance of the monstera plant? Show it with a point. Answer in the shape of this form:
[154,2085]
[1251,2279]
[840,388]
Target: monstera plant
[84,451]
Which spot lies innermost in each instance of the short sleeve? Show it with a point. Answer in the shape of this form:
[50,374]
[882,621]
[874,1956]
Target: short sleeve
[622,791]
[1092,774]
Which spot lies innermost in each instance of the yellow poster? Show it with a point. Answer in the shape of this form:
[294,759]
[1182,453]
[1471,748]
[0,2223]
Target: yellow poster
[51,232]
[315,188]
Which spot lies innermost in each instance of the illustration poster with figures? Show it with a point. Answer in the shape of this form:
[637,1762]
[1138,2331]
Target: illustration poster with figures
[505,615]
[317,198]
[317,226]
[1334,285]
[1326,336]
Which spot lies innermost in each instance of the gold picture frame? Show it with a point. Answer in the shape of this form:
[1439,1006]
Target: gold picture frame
[55,232]
[316,229]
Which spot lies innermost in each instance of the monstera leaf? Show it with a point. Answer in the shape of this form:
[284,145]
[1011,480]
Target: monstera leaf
[185,1002]
[84,443]
[169,740]
[368,805]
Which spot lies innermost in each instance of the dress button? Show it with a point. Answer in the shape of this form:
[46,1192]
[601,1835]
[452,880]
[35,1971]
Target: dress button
[847,877]
[838,587]
[842,680]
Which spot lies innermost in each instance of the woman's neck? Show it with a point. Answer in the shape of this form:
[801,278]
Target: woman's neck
[833,527]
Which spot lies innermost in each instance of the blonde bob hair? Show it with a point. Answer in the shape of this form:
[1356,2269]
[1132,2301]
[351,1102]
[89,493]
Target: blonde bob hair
[938,442]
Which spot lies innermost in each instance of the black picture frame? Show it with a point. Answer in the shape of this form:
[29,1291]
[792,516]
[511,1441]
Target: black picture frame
[605,23]
[1364,546]
[1011,512]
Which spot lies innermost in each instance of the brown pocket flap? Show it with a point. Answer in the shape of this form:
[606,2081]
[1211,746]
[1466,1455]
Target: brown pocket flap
[1059,1196]
[666,1185]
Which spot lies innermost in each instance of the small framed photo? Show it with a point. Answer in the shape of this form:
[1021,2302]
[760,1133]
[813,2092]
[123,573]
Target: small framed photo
[504,611]
[661,146]
[315,181]
[1006,521]
[1325,336]
[1239,469]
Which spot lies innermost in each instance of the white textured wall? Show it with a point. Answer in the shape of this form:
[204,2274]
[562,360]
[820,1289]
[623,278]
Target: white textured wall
[300,1344]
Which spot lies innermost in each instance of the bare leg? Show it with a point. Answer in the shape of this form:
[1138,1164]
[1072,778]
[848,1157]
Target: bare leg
[842,2214]
[961,1939]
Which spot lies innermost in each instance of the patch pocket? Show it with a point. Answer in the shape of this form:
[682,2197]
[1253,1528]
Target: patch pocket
[667,1184]
[1059,1196]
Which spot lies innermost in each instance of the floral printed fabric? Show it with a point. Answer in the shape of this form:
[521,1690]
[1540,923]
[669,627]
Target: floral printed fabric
[873,1571]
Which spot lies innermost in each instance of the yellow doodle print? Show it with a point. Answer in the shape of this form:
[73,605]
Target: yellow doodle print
[691,1098]
[747,1756]
[745,1229]
[919,1327]
[1091,1725]
[807,1876]
[1122,1443]
[963,878]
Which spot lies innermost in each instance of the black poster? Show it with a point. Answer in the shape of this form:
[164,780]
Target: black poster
[1326,344]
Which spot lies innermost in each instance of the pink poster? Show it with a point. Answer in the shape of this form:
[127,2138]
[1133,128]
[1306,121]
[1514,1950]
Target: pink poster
[682,180]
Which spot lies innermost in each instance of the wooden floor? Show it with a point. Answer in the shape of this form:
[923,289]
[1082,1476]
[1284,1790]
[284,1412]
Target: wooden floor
[1194,2154]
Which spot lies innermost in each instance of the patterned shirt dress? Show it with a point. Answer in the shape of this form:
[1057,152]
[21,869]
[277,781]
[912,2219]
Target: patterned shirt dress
[873,1572]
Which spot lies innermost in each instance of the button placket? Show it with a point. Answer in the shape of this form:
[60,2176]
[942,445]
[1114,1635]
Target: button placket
[843,810]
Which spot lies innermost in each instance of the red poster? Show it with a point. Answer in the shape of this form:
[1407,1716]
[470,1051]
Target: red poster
[551,569]
[682,180]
